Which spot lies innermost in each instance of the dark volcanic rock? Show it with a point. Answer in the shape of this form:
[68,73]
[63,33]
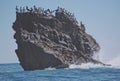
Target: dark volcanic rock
[47,38]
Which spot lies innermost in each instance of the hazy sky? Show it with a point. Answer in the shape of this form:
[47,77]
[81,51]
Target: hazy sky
[101,18]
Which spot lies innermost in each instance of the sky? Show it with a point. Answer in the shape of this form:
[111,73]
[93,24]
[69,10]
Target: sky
[101,18]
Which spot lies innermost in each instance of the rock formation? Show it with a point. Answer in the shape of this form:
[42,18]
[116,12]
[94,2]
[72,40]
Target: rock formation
[47,38]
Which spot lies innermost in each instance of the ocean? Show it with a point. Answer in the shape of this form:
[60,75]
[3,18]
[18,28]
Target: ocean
[14,72]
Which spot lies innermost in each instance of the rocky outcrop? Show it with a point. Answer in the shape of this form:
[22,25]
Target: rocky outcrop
[47,38]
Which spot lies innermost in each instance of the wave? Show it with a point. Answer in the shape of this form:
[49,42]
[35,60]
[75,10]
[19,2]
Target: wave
[86,66]
[50,68]
[115,62]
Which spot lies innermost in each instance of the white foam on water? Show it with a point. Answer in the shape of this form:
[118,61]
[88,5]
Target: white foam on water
[50,68]
[85,66]
[115,62]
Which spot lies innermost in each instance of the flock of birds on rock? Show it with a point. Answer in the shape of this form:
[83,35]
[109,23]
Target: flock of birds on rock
[48,12]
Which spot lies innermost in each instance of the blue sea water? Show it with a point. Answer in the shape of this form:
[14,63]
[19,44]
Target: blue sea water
[14,72]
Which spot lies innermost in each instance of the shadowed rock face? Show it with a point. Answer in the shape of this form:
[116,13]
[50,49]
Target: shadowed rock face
[51,39]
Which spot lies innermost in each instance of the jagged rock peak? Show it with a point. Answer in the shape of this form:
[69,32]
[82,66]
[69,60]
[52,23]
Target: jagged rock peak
[51,38]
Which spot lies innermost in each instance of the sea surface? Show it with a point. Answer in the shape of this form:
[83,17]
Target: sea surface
[14,72]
